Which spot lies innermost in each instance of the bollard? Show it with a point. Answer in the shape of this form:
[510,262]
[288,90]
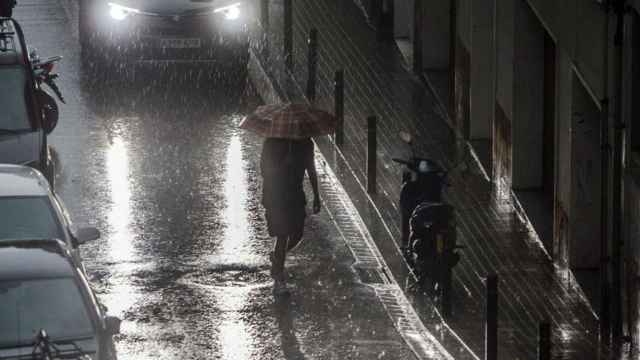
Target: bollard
[544,341]
[338,91]
[491,319]
[371,154]
[446,293]
[288,34]
[312,64]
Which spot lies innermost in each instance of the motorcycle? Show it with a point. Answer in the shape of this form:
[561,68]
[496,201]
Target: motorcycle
[428,224]
[43,74]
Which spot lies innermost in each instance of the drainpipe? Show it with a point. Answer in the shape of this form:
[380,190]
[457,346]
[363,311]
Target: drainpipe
[605,291]
[616,203]
[453,34]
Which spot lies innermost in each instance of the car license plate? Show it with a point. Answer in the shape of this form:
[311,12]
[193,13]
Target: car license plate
[180,43]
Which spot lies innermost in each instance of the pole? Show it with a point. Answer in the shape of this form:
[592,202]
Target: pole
[312,64]
[453,31]
[288,34]
[491,325]
[371,154]
[544,341]
[617,202]
[605,293]
[417,37]
[338,91]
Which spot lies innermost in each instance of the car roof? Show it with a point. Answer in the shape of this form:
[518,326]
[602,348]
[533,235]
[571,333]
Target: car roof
[34,259]
[20,180]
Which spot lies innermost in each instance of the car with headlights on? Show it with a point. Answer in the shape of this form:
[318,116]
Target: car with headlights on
[49,310]
[213,32]
[29,209]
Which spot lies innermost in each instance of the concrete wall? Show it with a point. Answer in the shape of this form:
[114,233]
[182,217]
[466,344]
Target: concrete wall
[564,146]
[584,243]
[403,18]
[577,26]
[528,98]
[463,14]
[504,33]
[462,66]
[482,92]
[435,36]
[631,117]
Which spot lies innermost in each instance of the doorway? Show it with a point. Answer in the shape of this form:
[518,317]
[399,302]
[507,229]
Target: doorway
[534,154]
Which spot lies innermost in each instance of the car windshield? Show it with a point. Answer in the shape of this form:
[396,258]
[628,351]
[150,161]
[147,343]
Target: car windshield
[54,304]
[25,218]
[14,114]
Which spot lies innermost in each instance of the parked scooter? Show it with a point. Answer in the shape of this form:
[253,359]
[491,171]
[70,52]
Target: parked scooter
[428,224]
[43,74]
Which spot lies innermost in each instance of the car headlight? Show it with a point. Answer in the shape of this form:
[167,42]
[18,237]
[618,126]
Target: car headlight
[119,12]
[231,12]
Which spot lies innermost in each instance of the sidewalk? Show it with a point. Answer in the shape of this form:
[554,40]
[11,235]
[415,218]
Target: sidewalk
[531,287]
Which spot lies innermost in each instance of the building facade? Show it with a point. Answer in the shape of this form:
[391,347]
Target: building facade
[549,93]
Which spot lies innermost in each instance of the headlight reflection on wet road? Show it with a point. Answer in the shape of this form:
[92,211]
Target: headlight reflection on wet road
[121,248]
[235,339]
[122,295]
[237,244]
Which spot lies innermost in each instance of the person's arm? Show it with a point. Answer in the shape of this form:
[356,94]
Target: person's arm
[310,165]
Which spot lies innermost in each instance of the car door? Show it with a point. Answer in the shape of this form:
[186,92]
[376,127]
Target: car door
[21,147]
[20,137]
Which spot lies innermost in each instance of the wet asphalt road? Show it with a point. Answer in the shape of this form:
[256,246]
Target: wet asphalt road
[161,169]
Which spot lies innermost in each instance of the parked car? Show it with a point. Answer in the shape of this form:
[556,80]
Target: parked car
[29,209]
[28,113]
[214,32]
[48,303]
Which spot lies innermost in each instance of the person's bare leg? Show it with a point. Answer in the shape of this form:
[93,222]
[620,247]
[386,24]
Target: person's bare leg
[279,255]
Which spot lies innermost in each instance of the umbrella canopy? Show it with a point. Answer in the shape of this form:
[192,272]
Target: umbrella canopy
[290,121]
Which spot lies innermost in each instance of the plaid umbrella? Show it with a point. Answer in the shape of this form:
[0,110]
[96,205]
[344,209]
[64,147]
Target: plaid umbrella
[289,121]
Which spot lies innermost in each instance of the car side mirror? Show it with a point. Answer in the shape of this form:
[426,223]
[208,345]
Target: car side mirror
[84,235]
[112,325]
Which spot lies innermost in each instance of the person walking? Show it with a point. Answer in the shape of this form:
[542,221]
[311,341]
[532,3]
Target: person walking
[287,154]
[283,165]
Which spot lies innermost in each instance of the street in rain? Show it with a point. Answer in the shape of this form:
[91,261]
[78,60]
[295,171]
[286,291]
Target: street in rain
[319,179]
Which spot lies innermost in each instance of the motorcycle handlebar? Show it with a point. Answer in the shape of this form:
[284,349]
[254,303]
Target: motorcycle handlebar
[48,60]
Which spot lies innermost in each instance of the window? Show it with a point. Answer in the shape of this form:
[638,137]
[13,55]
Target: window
[54,305]
[28,218]
[15,111]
